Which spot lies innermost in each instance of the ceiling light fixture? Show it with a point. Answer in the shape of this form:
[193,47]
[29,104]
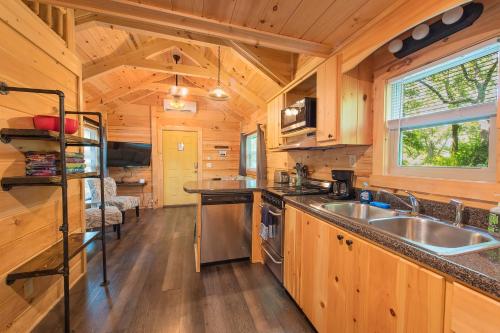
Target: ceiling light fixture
[218,94]
[176,91]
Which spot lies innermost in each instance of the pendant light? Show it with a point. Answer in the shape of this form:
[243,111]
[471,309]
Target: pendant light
[218,94]
[176,91]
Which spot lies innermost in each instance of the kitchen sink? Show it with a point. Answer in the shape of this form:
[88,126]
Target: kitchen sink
[356,210]
[436,236]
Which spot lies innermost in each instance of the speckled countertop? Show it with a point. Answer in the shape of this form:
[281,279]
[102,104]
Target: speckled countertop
[225,186]
[480,270]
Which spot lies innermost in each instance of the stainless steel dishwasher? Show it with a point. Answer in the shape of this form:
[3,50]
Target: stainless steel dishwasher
[226,226]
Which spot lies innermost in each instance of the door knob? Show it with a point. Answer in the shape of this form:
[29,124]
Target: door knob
[349,242]
[340,237]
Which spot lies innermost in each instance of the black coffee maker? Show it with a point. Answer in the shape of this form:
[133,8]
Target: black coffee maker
[343,185]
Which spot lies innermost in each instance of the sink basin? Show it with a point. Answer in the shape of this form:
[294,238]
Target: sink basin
[436,236]
[356,210]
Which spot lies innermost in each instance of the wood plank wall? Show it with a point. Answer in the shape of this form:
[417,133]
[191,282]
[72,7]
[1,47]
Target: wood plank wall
[32,56]
[143,123]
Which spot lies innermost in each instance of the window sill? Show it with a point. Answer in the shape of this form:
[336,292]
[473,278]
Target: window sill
[474,190]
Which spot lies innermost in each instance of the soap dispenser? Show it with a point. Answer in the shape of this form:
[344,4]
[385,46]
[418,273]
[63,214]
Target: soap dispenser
[365,196]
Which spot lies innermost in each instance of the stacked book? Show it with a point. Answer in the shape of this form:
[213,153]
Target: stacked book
[47,163]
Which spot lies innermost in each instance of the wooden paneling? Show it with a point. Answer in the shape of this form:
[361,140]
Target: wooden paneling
[469,311]
[256,256]
[292,251]
[34,56]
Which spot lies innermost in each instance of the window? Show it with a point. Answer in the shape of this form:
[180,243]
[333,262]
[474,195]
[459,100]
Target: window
[251,152]
[441,119]
[91,155]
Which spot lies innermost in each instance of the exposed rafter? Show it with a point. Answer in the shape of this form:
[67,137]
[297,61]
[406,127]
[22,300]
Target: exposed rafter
[167,18]
[149,50]
[170,68]
[120,92]
[246,52]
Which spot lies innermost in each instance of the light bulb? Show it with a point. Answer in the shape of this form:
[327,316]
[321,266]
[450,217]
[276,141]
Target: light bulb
[395,46]
[420,32]
[453,15]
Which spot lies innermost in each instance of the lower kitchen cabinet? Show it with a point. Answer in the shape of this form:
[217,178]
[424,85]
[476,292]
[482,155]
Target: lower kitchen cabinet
[292,248]
[350,285]
[469,311]
[314,271]
[256,255]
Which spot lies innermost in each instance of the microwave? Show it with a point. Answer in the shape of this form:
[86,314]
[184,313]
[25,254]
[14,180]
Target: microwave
[302,114]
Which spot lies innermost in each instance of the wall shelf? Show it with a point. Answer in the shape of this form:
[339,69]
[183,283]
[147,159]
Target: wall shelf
[9,134]
[50,261]
[9,182]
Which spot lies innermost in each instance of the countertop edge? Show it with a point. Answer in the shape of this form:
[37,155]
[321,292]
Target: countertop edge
[463,274]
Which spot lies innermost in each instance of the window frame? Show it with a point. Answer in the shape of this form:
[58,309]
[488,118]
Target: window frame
[393,128]
[248,169]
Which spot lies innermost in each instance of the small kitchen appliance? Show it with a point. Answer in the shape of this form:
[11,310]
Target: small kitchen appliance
[343,185]
[300,115]
[281,177]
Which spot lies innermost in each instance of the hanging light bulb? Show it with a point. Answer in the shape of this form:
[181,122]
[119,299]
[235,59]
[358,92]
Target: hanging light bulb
[177,104]
[176,91]
[218,94]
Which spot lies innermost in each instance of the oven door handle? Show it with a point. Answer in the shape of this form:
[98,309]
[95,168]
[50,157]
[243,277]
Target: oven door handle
[278,262]
[276,214]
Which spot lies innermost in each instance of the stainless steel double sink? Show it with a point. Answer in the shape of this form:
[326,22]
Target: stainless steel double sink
[431,234]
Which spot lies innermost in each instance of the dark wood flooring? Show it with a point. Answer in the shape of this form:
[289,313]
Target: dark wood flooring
[154,288]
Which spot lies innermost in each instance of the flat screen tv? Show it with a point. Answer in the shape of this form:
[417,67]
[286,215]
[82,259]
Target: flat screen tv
[128,154]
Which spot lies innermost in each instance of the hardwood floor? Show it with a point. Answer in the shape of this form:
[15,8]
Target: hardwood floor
[154,287]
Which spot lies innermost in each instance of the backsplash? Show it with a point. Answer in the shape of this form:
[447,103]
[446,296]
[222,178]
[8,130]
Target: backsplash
[475,217]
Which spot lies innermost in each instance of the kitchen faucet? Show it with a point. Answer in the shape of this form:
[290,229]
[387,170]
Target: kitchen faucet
[459,206]
[414,205]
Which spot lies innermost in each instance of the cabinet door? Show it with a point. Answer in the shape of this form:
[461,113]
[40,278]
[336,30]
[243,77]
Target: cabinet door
[274,107]
[328,100]
[314,271]
[469,311]
[278,106]
[271,124]
[256,240]
[292,244]
[392,294]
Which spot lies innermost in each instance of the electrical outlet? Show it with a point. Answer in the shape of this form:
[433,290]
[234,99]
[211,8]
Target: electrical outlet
[209,165]
[352,160]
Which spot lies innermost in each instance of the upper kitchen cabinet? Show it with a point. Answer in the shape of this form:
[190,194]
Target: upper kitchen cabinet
[344,107]
[273,131]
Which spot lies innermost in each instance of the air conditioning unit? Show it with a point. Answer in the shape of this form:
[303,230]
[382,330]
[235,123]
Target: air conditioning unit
[183,106]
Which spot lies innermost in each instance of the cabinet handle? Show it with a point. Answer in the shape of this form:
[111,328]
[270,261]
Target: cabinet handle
[340,237]
[349,242]
[330,136]
[393,313]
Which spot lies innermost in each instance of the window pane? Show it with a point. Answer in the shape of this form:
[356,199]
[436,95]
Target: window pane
[463,144]
[251,151]
[464,81]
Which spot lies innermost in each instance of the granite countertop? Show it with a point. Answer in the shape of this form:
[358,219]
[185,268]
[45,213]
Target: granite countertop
[225,186]
[480,270]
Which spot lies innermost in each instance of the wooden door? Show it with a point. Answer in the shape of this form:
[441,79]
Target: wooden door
[180,165]
[292,251]
[328,79]
[314,270]
[470,311]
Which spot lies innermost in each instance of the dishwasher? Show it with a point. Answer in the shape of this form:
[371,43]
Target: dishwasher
[226,226]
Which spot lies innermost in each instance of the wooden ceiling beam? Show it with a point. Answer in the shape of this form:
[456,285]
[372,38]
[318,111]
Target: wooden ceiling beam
[245,52]
[179,69]
[120,92]
[167,18]
[110,63]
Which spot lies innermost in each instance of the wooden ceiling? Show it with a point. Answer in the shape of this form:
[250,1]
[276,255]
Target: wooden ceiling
[126,45]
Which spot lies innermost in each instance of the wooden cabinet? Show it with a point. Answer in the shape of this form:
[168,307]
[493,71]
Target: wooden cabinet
[328,84]
[469,311]
[292,250]
[314,271]
[256,255]
[350,285]
[273,128]
[344,107]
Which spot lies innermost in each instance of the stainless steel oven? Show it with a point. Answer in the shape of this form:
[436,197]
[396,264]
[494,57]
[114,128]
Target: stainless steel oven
[272,244]
[301,114]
